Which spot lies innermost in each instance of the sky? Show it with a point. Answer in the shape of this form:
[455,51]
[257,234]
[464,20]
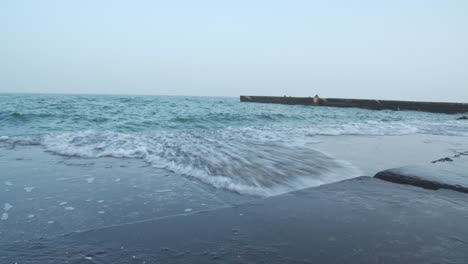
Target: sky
[387,49]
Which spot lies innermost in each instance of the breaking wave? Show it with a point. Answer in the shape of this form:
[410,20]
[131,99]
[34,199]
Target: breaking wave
[238,161]
[259,149]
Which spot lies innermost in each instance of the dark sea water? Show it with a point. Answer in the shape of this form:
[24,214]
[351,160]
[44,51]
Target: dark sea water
[248,148]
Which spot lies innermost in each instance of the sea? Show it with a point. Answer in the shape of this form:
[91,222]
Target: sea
[246,148]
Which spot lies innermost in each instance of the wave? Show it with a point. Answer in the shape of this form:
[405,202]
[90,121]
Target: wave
[259,160]
[234,161]
[13,116]
[260,149]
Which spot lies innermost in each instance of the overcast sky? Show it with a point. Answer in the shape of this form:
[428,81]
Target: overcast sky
[395,49]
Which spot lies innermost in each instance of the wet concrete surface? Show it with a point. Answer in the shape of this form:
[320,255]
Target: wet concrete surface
[47,195]
[362,220]
[445,173]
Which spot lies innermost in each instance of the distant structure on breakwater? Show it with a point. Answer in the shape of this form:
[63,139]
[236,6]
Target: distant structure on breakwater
[434,107]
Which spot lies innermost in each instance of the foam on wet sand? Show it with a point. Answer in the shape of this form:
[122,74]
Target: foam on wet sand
[29,189]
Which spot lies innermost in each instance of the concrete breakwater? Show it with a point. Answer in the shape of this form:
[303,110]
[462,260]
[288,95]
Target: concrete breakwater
[434,107]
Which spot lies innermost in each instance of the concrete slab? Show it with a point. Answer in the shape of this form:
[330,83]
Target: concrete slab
[50,195]
[362,220]
[447,173]
[435,107]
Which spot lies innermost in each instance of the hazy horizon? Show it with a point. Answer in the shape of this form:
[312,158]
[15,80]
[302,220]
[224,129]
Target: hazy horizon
[404,50]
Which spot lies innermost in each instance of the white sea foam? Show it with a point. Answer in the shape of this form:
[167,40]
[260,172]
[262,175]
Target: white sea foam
[263,160]
[249,161]
[164,191]
[29,189]
[4,216]
[7,207]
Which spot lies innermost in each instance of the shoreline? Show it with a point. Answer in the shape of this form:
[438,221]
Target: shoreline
[191,222]
[359,220]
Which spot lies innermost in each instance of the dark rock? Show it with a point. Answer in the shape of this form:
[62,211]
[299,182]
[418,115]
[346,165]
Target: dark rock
[458,155]
[463,118]
[443,160]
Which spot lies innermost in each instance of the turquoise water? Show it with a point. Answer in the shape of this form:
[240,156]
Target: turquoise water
[251,148]
[42,114]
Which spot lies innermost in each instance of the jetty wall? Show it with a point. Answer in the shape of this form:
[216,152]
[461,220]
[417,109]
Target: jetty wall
[434,107]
